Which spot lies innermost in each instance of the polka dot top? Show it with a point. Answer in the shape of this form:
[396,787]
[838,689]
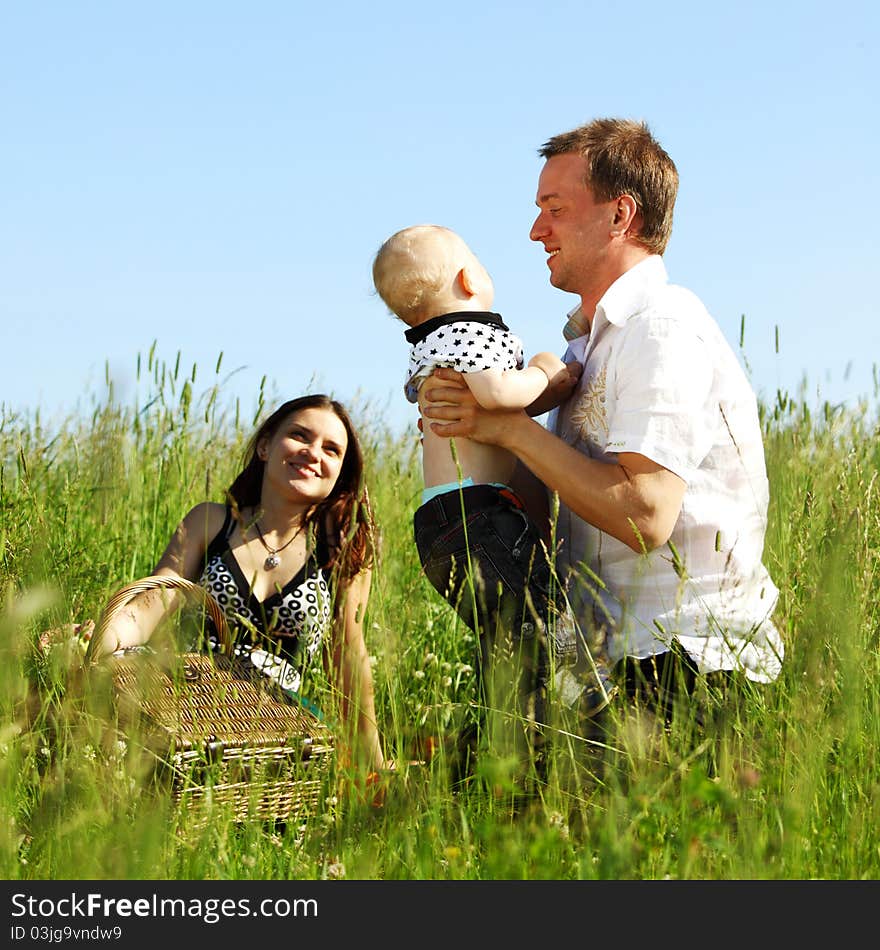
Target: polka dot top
[285,630]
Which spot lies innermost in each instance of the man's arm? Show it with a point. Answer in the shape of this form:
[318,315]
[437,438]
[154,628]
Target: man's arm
[633,499]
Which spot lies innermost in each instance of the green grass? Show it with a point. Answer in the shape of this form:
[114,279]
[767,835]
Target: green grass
[787,787]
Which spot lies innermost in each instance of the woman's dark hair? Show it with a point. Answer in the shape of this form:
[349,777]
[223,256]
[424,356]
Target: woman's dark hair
[343,519]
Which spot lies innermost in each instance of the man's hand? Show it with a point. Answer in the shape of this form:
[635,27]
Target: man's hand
[563,378]
[452,410]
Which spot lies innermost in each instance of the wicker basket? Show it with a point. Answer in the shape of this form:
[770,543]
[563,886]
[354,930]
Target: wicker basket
[221,731]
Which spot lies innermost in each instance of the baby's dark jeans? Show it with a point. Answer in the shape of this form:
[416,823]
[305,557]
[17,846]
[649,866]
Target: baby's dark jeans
[483,554]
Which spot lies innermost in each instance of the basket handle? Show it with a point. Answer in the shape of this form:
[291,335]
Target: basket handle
[164,581]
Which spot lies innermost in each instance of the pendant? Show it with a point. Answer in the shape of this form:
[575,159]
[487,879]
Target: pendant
[271,562]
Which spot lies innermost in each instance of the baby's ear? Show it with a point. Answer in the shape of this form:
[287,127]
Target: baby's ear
[465,280]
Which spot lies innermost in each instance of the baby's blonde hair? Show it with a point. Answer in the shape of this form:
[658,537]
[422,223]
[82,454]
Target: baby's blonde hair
[414,265]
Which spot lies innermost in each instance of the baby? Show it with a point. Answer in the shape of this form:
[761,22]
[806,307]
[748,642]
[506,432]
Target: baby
[431,280]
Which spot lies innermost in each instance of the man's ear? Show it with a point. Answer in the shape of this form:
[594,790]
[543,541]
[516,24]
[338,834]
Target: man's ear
[626,216]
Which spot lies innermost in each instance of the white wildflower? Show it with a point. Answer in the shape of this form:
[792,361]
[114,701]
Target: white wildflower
[336,870]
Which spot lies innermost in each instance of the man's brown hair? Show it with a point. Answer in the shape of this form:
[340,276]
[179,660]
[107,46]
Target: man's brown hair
[624,158]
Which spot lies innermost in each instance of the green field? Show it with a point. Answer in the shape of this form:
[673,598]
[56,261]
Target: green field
[786,787]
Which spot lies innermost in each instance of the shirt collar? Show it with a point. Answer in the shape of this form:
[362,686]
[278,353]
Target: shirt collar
[576,325]
[417,334]
[630,292]
[626,296]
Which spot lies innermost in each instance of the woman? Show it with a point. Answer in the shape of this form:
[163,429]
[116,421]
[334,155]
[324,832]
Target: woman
[288,559]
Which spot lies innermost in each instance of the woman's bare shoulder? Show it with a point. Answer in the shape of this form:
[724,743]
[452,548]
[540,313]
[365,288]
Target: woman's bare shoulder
[207,516]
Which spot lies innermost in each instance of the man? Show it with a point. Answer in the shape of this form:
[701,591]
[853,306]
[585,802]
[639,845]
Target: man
[657,457]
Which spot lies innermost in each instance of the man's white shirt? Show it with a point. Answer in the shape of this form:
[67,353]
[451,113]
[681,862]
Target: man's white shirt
[661,380]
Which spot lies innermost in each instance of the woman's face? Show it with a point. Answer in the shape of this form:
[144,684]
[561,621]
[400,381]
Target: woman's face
[304,457]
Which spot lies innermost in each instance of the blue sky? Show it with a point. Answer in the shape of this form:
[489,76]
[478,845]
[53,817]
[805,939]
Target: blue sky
[217,177]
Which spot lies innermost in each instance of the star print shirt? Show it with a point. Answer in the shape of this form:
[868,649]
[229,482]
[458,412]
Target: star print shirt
[469,341]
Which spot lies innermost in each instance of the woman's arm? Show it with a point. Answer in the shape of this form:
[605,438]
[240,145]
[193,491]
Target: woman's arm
[353,677]
[183,557]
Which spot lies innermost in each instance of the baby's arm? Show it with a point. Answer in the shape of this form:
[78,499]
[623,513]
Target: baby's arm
[539,387]
[507,389]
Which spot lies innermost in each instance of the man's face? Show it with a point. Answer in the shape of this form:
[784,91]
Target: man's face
[572,226]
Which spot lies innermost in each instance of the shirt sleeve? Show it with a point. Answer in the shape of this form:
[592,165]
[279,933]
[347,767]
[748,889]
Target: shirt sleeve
[663,375]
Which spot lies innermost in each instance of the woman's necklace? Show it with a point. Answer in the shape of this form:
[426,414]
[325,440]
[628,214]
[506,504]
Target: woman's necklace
[272,561]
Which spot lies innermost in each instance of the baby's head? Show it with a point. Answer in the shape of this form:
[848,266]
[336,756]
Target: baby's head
[426,270]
